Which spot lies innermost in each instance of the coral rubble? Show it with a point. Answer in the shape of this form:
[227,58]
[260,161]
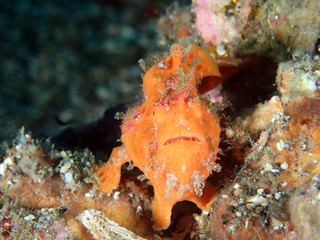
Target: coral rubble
[54,199]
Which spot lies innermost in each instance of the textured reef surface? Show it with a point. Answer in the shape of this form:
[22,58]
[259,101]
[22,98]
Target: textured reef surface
[140,120]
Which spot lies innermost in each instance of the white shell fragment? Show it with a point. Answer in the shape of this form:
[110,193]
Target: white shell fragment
[102,227]
[29,217]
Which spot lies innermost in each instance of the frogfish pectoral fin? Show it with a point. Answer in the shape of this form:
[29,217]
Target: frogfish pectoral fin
[209,194]
[162,207]
[161,210]
[110,173]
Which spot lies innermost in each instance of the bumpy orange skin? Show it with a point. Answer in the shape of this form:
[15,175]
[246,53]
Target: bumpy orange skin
[172,137]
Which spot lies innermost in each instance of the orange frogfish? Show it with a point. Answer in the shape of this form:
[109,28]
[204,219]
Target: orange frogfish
[172,137]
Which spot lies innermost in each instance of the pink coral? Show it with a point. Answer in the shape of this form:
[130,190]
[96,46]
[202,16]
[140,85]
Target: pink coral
[204,22]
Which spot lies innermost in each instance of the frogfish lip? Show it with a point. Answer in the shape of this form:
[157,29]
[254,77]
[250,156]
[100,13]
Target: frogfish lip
[182,138]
